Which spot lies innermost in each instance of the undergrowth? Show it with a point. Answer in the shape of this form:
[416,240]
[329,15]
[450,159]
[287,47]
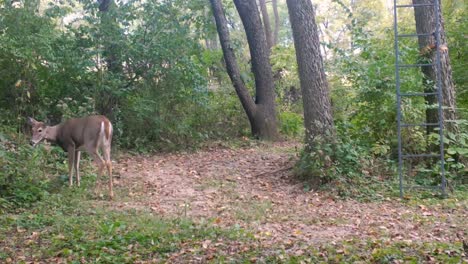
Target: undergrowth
[345,167]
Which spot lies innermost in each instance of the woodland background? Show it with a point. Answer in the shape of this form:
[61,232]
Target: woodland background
[156,69]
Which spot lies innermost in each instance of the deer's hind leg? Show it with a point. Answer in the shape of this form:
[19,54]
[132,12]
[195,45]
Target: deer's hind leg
[108,163]
[71,164]
[99,163]
[76,165]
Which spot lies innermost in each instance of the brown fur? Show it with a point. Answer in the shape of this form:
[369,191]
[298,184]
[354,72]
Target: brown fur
[75,135]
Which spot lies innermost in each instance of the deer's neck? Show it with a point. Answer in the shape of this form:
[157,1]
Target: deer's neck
[52,133]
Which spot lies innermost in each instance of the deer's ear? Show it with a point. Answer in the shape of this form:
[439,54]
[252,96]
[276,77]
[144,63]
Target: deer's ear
[31,121]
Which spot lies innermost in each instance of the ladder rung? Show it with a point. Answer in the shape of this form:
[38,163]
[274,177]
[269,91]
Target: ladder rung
[420,155]
[414,35]
[415,5]
[422,124]
[417,94]
[415,65]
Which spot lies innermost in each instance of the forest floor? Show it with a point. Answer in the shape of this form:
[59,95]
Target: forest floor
[253,188]
[230,205]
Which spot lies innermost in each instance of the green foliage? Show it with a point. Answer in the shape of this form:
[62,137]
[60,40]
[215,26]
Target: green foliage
[139,63]
[292,124]
[345,167]
[456,26]
[24,175]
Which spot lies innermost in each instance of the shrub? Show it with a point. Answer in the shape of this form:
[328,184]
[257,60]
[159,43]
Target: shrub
[24,177]
[345,167]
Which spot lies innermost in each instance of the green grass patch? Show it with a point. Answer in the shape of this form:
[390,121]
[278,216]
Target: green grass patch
[70,228]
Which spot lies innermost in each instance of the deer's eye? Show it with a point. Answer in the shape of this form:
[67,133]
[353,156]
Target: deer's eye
[39,130]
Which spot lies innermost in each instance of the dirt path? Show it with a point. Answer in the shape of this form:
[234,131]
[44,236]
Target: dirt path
[253,188]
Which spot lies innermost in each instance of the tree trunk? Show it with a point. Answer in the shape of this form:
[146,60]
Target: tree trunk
[261,113]
[266,122]
[318,118]
[277,22]
[110,26]
[266,24]
[106,102]
[425,18]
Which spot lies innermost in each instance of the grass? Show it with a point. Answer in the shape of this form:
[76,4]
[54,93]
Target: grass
[252,210]
[70,227]
[64,227]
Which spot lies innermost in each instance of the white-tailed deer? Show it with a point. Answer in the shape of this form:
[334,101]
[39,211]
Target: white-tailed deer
[92,133]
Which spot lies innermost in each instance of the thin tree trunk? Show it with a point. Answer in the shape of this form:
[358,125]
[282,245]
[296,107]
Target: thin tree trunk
[266,24]
[261,113]
[230,58]
[109,23]
[318,118]
[425,18]
[106,101]
[277,22]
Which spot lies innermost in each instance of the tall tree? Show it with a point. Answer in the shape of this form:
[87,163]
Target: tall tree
[266,23]
[110,32]
[110,28]
[318,119]
[277,22]
[425,17]
[261,112]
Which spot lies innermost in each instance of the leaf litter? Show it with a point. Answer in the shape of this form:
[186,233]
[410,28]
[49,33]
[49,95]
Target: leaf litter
[254,189]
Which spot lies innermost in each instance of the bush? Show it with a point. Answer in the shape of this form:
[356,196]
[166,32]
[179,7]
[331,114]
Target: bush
[24,177]
[292,124]
[345,167]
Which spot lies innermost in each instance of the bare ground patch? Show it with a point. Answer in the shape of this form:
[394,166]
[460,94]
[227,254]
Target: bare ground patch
[253,188]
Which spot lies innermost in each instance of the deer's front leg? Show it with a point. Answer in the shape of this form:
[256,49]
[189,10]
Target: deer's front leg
[71,161]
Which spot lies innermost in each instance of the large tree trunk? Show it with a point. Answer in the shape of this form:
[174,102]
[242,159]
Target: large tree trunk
[277,22]
[318,118]
[266,123]
[261,113]
[425,18]
[266,24]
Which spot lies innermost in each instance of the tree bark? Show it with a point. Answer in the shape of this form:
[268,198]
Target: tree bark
[425,18]
[109,24]
[266,24]
[261,113]
[106,102]
[318,118]
[266,123]
[277,22]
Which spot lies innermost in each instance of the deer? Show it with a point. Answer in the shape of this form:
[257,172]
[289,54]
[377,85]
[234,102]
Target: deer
[91,134]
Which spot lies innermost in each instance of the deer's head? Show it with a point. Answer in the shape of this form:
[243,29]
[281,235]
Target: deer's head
[39,131]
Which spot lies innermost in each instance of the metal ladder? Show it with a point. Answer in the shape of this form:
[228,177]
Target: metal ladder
[438,92]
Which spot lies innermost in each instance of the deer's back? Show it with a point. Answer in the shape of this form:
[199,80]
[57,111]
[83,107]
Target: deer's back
[80,131]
